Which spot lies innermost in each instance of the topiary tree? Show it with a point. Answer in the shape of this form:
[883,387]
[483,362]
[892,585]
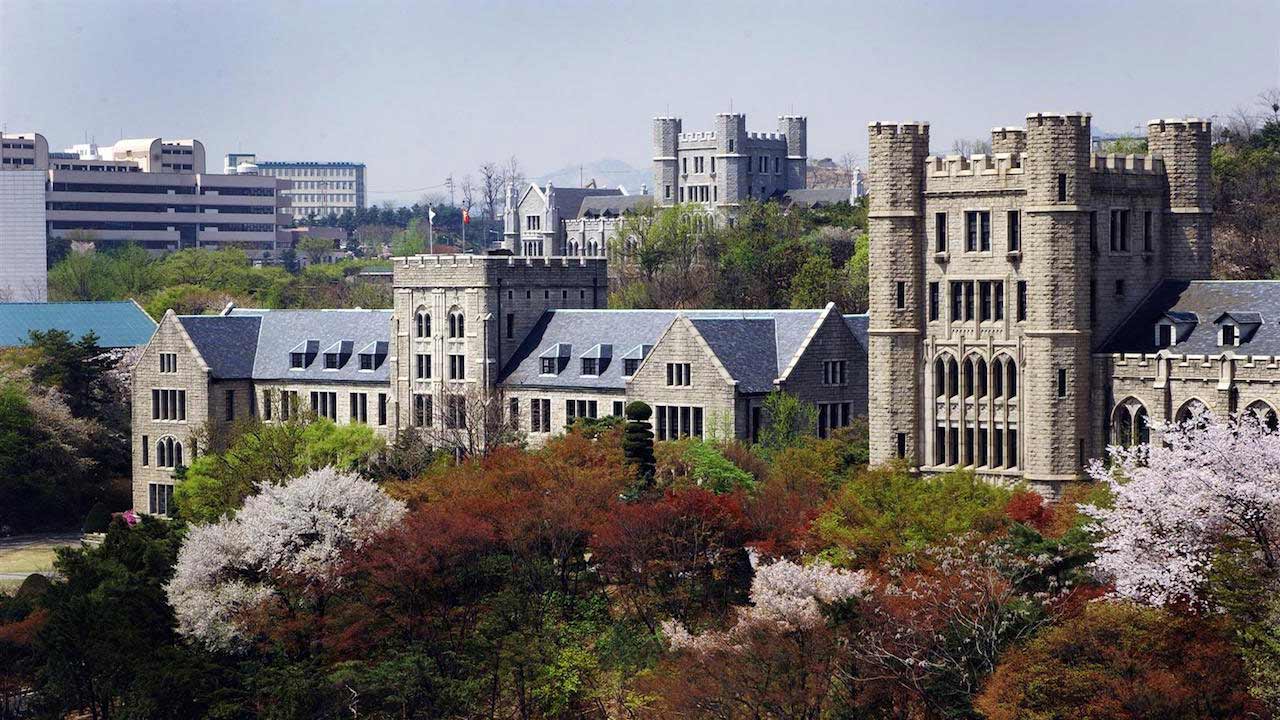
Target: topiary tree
[98,519]
[637,445]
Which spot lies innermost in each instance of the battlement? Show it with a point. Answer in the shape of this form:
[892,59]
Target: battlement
[1078,119]
[981,164]
[903,128]
[456,260]
[698,136]
[1179,125]
[767,136]
[1127,164]
[1008,131]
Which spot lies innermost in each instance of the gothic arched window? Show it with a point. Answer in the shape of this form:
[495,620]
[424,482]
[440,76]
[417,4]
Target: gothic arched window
[422,324]
[457,324]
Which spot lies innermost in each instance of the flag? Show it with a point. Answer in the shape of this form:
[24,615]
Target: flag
[466,216]
[431,215]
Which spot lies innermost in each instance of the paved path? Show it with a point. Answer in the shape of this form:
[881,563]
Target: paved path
[19,542]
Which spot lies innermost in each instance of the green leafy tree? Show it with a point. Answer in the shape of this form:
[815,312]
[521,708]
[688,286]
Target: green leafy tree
[108,646]
[76,368]
[410,241]
[315,248]
[888,511]
[788,420]
[217,482]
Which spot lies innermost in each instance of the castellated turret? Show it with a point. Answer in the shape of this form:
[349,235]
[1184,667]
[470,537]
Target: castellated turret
[795,128]
[1056,259]
[1184,146]
[895,181]
[666,143]
[1008,140]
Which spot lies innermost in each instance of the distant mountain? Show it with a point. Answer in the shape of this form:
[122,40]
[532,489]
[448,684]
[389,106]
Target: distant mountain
[606,173]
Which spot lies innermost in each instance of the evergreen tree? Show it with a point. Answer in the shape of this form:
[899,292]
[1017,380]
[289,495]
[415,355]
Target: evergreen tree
[637,446]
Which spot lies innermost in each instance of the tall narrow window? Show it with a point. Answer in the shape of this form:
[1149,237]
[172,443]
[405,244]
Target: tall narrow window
[933,301]
[984,296]
[511,325]
[984,240]
[457,324]
[1013,230]
[422,324]
[957,300]
[900,295]
[970,231]
[902,445]
[1022,300]
[1062,382]
[968,300]
[231,405]
[940,232]
[998,304]
[1062,187]
[1146,232]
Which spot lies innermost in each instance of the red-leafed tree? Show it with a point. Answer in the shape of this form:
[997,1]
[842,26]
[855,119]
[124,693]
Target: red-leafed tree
[679,556]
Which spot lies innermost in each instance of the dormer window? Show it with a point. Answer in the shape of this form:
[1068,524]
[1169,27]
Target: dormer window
[1164,335]
[632,359]
[366,362]
[331,361]
[337,354]
[595,360]
[1236,327]
[372,355]
[590,366]
[554,359]
[630,365]
[302,354]
[548,366]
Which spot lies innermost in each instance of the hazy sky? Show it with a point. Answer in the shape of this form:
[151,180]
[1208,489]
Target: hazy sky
[421,90]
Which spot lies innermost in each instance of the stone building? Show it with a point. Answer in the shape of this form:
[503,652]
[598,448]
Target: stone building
[200,374]
[565,222]
[528,338]
[999,284]
[724,166]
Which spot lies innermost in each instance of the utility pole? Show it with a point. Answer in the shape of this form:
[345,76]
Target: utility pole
[448,182]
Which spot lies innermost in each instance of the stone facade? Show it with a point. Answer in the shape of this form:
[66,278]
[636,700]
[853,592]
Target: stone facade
[723,167]
[996,277]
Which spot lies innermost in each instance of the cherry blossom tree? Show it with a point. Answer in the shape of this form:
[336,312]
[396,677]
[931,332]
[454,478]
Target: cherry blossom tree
[286,536]
[778,659]
[1209,485]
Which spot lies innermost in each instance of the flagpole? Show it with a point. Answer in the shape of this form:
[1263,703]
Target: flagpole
[431,237]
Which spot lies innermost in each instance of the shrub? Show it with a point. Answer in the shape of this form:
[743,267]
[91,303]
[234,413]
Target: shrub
[98,519]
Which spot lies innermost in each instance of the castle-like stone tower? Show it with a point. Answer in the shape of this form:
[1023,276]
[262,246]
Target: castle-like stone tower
[895,221]
[995,277]
[1185,147]
[727,165]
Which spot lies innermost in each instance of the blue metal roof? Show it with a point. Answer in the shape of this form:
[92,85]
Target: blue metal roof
[118,324]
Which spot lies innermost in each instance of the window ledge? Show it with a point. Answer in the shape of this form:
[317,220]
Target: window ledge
[943,256]
[1014,254]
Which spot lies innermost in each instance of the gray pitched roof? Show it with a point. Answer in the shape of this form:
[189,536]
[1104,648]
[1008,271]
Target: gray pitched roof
[1256,299]
[742,347]
[613,205]
[816,197]
[748,349]
[227,343]
[569,200]
[255,344]
[335,330]
[858,325]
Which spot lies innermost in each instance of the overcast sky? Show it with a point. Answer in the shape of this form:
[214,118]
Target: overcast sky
[421,90]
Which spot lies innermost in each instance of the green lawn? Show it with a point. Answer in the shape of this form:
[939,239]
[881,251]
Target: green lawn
[22,556]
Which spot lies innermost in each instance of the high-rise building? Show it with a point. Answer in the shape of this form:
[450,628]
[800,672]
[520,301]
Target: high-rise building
[154,193]
[24,158]
[319,188]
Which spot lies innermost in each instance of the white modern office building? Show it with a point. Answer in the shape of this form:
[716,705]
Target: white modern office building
[24,160]
[318,189]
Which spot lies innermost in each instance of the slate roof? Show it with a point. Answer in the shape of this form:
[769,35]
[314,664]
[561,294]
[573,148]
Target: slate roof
[815,197]
[1208,300]
[858,325]
[227,343]
[751,344]
[748,349]
[251,343]
[119,324]
[612,205]
[569,200]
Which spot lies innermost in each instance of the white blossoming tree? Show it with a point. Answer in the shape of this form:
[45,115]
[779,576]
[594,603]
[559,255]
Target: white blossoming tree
[1205,487]
[293,534]
[785,597]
